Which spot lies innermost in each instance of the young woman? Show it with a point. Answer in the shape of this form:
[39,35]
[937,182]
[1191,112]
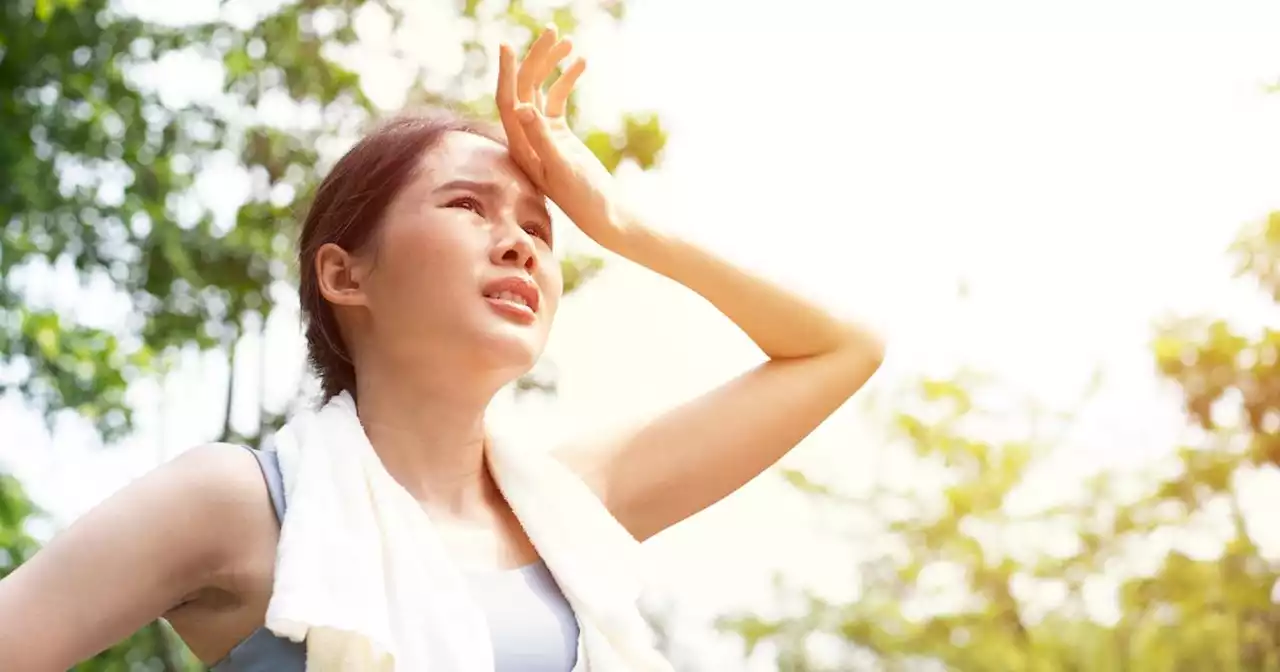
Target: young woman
[429,282]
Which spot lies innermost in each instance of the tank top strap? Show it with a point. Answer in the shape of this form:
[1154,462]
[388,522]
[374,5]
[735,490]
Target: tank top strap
[269,463]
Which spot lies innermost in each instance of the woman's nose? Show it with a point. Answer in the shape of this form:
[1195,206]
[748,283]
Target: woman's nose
[516,249]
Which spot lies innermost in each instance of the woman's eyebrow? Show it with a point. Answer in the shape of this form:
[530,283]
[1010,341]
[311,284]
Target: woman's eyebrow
[492,189]
[486,188]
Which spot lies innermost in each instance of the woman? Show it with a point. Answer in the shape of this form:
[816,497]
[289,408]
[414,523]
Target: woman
[429,283]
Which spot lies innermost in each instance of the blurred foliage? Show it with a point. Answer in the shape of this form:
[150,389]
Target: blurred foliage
[16,544]
[1150,572]
[102,156]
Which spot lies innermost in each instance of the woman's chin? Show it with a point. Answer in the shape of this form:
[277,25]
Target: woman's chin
[511,351]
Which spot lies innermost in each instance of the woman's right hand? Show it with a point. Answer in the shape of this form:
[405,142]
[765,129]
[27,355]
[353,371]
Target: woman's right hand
[541,143]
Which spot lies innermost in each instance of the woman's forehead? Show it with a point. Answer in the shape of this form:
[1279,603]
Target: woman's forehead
[468,156]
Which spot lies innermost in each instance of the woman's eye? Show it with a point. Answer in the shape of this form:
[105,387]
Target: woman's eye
[539,231]
[466,203]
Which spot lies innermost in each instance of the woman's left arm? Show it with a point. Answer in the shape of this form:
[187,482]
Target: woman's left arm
[658,473]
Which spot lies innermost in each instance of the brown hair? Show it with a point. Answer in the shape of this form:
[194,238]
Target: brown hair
[348,206]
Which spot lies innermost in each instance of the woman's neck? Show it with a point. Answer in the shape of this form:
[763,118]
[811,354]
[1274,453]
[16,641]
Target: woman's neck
[431,439]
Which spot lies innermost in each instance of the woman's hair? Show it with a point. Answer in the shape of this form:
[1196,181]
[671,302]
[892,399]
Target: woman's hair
[348,206]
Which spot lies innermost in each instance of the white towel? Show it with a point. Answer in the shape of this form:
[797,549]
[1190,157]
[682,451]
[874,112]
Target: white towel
[363,578]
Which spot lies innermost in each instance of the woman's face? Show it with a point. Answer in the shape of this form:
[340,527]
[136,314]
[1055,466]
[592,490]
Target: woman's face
[462,267]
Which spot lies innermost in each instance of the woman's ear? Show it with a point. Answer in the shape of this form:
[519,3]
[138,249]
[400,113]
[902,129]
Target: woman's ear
[339,276]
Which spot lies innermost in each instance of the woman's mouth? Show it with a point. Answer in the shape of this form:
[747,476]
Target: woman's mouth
[512,307]
[510,297]
[514,297]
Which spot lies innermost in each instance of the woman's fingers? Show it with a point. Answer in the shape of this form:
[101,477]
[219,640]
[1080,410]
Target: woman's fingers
[505,96]
[547,51]
[536,130]
[558,94]
[525,82]
[517,144]
[522,105]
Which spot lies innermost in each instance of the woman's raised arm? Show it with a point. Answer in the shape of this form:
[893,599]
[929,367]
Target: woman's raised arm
[662,471]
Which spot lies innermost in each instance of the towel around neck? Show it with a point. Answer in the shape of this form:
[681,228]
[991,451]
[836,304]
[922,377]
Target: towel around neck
[363,577]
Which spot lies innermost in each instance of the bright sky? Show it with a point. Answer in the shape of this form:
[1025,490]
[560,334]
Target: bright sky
[1081,165]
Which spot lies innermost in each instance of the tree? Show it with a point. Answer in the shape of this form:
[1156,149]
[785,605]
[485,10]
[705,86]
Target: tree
[956,579]
[1230,383]
[101,169]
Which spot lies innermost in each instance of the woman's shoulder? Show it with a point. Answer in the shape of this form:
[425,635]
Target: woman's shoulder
[230,489]
[201,521]
[213,485]
[235,489]
[216,494]
[223,475]
[219,490]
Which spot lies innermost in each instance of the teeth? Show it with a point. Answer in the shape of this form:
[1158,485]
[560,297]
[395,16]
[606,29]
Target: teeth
[512,297]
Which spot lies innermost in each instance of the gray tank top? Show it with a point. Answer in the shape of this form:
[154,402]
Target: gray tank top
[532,625]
